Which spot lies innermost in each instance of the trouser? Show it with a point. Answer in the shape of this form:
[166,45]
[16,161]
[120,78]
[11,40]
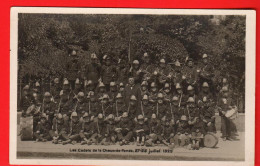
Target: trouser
[140,134]
[196,136]
[225,126]
[181,139]
[84,135]
[125,136]
[62,135]
[40,137]
[75,137]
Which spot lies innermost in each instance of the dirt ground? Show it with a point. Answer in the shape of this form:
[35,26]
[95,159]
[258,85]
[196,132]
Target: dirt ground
[224,151]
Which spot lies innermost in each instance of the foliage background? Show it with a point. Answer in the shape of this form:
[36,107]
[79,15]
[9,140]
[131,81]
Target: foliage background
[45,40]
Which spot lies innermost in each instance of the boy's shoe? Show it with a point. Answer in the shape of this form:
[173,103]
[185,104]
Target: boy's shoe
[89,142]
[83,142]
[74,142]
[65,142]
[37,140]
[142,143]
[106,143]
[230,139]
[224,138]
[171,145]
[121,143]
[44,140]
[138,143]
[55,141]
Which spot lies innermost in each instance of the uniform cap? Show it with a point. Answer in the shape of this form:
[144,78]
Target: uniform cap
[190,100]
[73,114]
[110,116]
[37,84]
[178,86]
[105,57]
[224,88]
[73,52]
[205,84]
[35,94]
[153,84]
[119,95]
[100,116]
[56,80]
[59,116]
[121,84]
[190,87]
[136,62]
[26,87]
[166,85]
[133,97]
[204,99]
[153,116]
[162,61]
[66,82]
[164,118]
[85,115]
[91,93]
[93,56]
[80,94]
[140,117]
[105,96]
[61,92]
[89,82]
[77,81]
[112,84]
[224,80]
[125,114]
[177,63]
[224,100]
[204,56]
[160,95]
[155,72]
[47,94]
[144,83]
[184,117]
[175,98]
[101,84]
[44,116]
[146,54]
[145,97]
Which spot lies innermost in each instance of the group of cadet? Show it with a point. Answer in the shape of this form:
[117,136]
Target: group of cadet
[145,103]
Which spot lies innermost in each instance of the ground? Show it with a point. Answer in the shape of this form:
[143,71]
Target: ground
[224,151]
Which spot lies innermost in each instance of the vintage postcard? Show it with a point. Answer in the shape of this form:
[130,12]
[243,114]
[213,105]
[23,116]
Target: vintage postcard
[99,86]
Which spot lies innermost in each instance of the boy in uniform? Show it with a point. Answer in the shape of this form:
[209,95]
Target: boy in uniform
[197,133]
[133,108]
[75,128]
[88,128]
[110,134]
[124,129]
[182,137]
[140,130]
[48,107]
[146,108]
[119,106]
[60,129]
[42,130]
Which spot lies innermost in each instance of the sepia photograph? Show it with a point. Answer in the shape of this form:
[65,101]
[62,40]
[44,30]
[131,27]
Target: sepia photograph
[132,84]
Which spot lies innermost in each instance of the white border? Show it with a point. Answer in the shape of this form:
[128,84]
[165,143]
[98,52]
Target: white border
[250,82]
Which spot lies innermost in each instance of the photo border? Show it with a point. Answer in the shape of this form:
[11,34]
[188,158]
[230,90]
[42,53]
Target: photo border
[249,82]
